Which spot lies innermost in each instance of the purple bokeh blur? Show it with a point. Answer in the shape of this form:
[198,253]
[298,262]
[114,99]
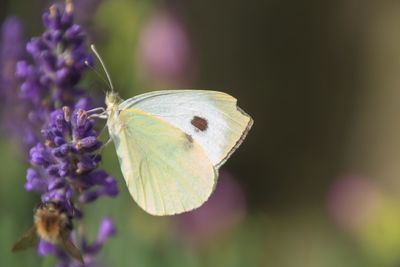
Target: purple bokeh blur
[164,50]
[352,200]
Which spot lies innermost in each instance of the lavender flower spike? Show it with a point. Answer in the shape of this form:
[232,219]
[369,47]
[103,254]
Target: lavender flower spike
[59,57]
[68,159]
[64,170]
[64,152]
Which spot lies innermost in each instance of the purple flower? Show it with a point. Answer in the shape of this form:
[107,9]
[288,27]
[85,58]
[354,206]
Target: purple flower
[34,182]
[59,57]
[65,164]
[65,150]
[164,49]
[106,230]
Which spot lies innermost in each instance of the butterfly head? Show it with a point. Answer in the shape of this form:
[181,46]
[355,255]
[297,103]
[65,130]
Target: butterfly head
[112,100]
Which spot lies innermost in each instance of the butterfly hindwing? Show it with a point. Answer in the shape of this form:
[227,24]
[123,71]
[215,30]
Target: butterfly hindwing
[212,118]
[166,170]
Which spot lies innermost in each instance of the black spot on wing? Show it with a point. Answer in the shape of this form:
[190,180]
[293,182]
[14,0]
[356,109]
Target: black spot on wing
[188,141]
[189,138]
[199,123]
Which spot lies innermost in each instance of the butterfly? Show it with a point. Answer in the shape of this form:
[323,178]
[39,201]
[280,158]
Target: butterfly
[170,144]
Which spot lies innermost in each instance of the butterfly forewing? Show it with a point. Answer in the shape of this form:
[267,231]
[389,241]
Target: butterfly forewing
[211,118]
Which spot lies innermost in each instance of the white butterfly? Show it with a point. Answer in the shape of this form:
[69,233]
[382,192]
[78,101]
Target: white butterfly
[170,144]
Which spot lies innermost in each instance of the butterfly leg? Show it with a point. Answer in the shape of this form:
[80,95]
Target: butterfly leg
[96,110]
[99,112]
[102,115]
[107,143]
[103,146]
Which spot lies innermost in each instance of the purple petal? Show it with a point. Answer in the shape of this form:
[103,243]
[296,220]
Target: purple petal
[110,187]
[56,184]
[22,69]
[89,196]
[106,230]
[73,31]
[34,182]
[88,142]
[46,248]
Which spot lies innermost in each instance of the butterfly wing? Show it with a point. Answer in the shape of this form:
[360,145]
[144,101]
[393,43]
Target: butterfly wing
[166,170]
[212,118]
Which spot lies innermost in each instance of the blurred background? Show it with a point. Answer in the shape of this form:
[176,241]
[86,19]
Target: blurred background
[316,182]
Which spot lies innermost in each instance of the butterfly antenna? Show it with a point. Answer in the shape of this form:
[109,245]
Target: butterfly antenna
[103,65]
[98,75]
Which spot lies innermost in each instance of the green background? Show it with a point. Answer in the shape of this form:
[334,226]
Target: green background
[321,80]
